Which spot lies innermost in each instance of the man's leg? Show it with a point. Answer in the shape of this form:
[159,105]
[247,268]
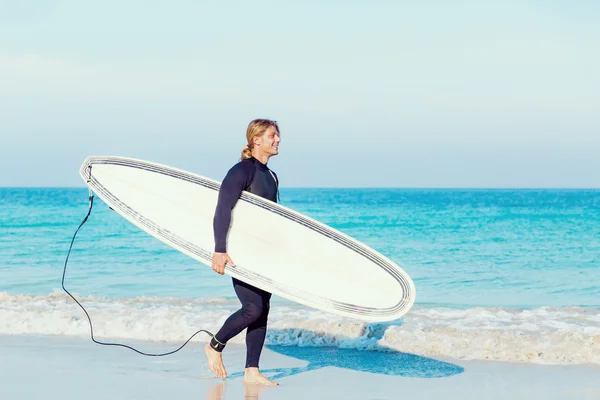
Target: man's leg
[251,311]
[252,308]
[255,339]
[256,333]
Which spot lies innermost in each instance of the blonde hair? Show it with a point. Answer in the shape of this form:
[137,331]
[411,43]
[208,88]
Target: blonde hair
[256,128]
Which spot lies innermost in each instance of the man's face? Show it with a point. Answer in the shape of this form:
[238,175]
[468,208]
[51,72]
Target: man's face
[269,141]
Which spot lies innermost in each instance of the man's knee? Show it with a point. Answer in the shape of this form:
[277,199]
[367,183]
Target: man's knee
[252,312]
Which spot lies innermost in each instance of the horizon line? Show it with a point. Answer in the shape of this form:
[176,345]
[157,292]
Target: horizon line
[372,187]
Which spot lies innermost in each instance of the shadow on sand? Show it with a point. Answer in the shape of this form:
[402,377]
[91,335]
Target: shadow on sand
[381,360]
[378,360]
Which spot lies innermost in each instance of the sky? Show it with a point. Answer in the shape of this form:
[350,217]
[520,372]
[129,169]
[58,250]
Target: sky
[367,93]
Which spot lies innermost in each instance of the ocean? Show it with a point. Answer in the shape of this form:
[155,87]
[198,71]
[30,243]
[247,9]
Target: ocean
[506,275]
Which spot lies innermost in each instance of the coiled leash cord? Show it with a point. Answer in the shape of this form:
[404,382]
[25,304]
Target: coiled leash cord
[91,198]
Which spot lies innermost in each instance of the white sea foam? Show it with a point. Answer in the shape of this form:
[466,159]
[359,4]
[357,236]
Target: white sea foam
[546,335]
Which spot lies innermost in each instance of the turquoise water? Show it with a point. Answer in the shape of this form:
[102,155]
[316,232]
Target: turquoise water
[463,248]
[510,275]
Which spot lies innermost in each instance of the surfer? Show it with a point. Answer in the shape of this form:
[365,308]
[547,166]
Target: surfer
[251,174]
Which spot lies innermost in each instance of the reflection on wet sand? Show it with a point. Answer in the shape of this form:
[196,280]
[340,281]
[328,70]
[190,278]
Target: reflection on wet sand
[251,391]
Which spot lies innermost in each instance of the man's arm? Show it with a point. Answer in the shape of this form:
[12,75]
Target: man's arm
[235,181]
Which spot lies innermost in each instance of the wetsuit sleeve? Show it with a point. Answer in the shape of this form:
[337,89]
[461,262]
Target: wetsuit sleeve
[235,181]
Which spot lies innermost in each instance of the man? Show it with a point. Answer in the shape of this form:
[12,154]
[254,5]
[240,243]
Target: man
[253,175]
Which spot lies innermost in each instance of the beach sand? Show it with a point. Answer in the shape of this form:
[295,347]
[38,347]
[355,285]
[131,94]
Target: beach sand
[60,367]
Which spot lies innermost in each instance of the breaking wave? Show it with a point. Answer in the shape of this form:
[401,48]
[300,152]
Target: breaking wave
[546,335]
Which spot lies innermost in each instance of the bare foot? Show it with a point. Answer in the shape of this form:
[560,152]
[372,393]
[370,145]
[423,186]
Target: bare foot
[253,376]
[215,362]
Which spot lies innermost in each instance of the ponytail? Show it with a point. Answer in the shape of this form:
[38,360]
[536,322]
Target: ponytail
[246,152]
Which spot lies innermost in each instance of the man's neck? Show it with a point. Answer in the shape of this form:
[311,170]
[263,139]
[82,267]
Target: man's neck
[263,158]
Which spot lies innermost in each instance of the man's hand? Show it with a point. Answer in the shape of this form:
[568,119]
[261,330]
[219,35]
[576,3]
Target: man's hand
[219,260]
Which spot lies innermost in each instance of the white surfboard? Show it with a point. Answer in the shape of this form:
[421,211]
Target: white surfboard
[274,248]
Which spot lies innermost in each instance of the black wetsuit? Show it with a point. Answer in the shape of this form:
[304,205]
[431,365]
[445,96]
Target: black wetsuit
[255,177]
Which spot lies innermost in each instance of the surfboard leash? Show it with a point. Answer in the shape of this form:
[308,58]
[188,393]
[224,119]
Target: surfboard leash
[91,204]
